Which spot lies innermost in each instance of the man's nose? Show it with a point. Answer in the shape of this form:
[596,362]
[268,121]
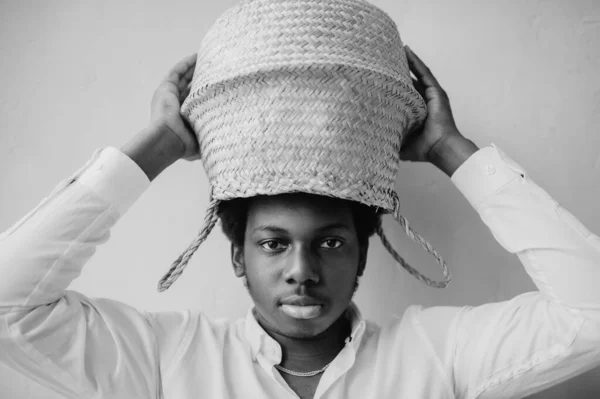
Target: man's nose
[303,268]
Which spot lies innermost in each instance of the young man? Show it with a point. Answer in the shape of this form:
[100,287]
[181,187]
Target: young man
[300,256]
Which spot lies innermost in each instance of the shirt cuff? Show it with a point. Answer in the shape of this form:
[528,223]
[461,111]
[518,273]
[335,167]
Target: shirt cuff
[115,177]
[484,173]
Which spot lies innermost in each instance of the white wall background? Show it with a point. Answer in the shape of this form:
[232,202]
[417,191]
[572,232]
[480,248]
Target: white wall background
[79,75]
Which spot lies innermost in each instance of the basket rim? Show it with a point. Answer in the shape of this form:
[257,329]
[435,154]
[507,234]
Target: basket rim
[408,89]
[384,206]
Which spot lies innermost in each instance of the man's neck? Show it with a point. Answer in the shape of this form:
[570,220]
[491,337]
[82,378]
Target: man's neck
[309,354]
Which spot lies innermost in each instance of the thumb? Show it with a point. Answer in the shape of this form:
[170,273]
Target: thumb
[419,87]
[409,149]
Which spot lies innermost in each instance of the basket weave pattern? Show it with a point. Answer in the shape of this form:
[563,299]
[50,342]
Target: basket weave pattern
[307,96]
[270,34]
[302,130]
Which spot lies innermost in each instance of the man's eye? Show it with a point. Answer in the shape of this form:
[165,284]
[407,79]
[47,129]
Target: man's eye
[331,243]
[272,245]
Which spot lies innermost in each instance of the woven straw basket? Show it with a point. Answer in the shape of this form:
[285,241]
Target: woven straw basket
[310,96]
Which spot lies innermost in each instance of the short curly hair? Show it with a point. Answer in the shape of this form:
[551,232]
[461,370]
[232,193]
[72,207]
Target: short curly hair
[234,214]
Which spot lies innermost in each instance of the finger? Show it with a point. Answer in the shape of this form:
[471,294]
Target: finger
[420,70]
[419,87]
[186,79]
[407,152]
[185,92]
[181,69]
[407,155]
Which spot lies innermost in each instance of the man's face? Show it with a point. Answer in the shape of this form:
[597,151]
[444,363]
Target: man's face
[301,260]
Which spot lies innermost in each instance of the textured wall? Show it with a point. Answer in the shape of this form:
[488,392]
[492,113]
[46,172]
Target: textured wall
[79,75]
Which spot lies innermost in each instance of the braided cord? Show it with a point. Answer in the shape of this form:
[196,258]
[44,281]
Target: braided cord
[210,219]
[420,240]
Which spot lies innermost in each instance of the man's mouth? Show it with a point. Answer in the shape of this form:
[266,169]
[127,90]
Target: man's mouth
[301,307]
[302,312]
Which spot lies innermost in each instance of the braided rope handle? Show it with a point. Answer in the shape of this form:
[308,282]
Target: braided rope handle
[210,220]
[420,240]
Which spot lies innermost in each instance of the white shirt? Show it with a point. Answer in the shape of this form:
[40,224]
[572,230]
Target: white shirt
[100,348]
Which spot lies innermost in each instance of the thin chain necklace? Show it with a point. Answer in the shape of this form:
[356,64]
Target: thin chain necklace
[299,374]
[308,373]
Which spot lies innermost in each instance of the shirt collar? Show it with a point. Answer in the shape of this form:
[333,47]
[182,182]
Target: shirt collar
[262,343]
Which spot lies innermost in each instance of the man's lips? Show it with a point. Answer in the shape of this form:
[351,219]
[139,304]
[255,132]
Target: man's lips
[300,300]
[301,307]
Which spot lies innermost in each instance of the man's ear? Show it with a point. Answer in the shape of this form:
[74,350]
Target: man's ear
[237,260]
[362,258]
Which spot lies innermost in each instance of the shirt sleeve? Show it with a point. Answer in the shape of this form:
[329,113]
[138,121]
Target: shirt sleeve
[74,345]
[538,339]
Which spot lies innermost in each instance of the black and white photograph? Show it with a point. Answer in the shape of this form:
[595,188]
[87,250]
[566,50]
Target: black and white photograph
[299,199]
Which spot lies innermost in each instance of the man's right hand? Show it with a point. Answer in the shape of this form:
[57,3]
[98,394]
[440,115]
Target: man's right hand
[166,105]
[168,138]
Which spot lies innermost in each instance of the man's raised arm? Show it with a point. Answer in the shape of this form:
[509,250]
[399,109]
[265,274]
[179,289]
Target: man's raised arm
[63,340]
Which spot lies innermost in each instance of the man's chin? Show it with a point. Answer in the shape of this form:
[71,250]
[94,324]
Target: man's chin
[300,328]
